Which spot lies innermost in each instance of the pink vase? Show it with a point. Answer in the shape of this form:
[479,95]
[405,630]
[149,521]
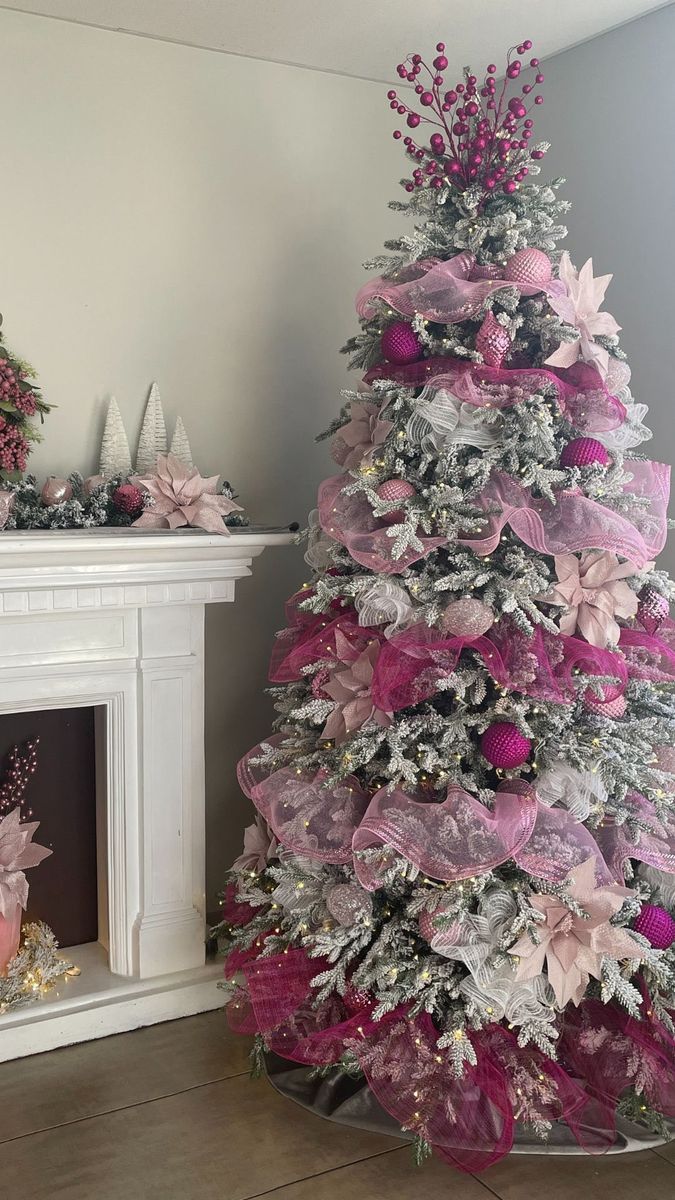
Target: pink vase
[10,932]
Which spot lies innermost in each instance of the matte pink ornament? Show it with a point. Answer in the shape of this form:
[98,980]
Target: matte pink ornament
[657,925]
[56,491]
[604,708]
[492,341]
[529,266]
[91,483]
[400,344]
[505,746]
[584,452]
[395,489]
[653,608]
[467,617]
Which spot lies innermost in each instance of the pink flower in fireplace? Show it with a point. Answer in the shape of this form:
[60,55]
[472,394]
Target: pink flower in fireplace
[349,685]
[180,496]
[17,852]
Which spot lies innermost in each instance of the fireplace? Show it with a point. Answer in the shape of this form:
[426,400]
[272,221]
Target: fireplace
[103,633]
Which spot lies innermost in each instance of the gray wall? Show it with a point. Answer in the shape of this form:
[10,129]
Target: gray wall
[610,116]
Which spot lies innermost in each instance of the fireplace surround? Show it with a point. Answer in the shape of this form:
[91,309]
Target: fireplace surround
[115,620]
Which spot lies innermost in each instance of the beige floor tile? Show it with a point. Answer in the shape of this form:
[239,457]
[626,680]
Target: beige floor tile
[391,1176]
[642,1176]
[96,1077]
[667,1152]
[223,1141]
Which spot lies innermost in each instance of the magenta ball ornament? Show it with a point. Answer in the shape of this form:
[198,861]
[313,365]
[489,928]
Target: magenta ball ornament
[56,491]
[652,610]
[395,489]
[505,746]
[614,709]
[400,344]
[529,266]
[656,925]
[128,499]
[584,452]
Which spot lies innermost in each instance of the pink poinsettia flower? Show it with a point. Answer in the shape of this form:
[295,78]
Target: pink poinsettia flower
[17,853]
[571,946]
[359,438]
[349,685]
[260,847]
[592,589]
[182,497]
[579,307]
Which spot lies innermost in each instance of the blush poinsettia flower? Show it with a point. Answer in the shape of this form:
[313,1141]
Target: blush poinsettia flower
[579,307]
[260,847]
[349,685]
[593,592]
[356,441]
[17,853]
[182,497]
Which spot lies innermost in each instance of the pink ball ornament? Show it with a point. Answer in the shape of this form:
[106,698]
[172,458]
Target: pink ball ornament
[395,489]
[653,608]
[400,344]
[614,709]
[656,925]
[529,266]
[505,746]
[584,452]
[492,341]
[467,617]
[128,499]
[91,483]
[56,491]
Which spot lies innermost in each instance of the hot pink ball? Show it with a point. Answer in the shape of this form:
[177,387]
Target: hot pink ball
[653,608]
[395,489]
[584,452]
[604,708]
[505,746]
[128,499]
[400,344]
[529,266]
[657,925]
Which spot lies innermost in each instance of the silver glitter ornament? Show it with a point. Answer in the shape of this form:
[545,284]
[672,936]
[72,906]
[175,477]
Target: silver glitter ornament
[348,904]
[467,618]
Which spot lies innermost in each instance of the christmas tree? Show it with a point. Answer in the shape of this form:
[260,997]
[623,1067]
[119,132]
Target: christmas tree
[461,881]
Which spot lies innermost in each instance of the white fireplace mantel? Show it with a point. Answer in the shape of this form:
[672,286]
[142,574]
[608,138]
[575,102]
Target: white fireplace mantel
[115,620]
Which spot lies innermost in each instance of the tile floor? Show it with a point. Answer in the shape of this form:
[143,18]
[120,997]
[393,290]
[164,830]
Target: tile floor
[170,1112]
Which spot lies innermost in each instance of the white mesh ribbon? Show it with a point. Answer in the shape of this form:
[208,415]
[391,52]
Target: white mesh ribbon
[384,600]
[631,433]
[319,545]
[662,881]
[580,792]
[439,417]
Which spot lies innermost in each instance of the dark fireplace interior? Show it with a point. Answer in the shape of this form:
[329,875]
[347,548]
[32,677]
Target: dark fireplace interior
[62,796]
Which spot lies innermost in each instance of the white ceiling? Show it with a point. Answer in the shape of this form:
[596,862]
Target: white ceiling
[365,38]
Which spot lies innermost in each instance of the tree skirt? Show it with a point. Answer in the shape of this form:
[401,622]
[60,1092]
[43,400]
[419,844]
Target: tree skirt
[350,1102]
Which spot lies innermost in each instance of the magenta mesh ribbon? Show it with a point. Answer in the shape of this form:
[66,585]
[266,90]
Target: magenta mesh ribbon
[441,290]
[558,843]
[654,846]
[350,520]
[411,665]
[307,644]
[453,840]
[582,396]
[575,522]
[648,656]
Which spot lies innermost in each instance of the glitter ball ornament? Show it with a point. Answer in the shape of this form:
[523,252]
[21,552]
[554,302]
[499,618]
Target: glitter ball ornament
[400,344]
[128,499]
[529,266]
[504,745]
[652,610]
[56,491]
[492,341]
[604,708]
[355,1000]
[657,925]
[349,904]
[584,452]
[395,489]
[467,618]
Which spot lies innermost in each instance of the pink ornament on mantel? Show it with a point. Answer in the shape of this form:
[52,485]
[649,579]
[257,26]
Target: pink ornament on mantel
[529,266]
[400,344]
[657,925]
[56,491]
[653,608]
[91,483]
[492,341]
[505,746]
[584,452]
[395,489]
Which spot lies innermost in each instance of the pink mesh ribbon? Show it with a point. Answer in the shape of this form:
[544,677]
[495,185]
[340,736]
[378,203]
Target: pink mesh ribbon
[440,290]
[558,843]
[575,522]
[449,841]
[305,814]
[654,845]
[350,520]
[647,656]
[411,665]
[582,396]
[307,644]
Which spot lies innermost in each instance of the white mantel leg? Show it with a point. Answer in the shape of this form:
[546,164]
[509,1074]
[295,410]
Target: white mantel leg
[171,923]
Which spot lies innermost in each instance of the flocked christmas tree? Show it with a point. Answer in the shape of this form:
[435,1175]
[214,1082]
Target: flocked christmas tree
[461,880]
